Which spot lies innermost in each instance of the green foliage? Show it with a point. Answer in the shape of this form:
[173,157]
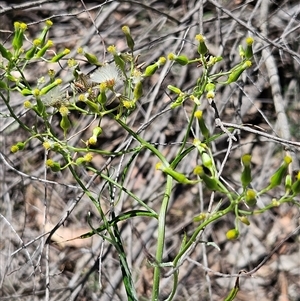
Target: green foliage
[97,91]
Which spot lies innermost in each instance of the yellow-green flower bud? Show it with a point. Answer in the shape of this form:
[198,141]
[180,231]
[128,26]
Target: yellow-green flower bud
[237,71]
[250,198]
[198,114]
[206,160]
[26,92]
[81,97]
[210,182]
[80,161]
[246,160]
[92,140]
[88,157]
[17,42]
[213,60]
[47,145]
[129,104]
[174,89]
[56,147]
[64,111]
[102,96]
[27,104]
[275,203]
[97,131]
[244,220]
[202,48]
[112,49]
[171,56]
[249,50]
[129,39]
[72,63]
[210,87]
[48,23]
[43,35]
[161,61]
[179,177]
[195,100]
[201,217]
[179,101]
[277,177]
[138,91]
[232,234]
[43,50]
[5,52]
[20,145]
[17,147]
[180,59]
[119,61]
[65,123]
[241,51]
[210,95]
[202,125]
[32,51]
[59,56]
[151,69]
[54,166]
[94,107]
[288,183]
[14,149]
[46,89]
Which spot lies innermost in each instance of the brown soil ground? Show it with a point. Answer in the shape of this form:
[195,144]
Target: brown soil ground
[266,99]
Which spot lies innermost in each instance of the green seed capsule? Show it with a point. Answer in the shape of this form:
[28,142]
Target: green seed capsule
[5,53]
[202,48]
[210,182]
[277,177]
[151,69]
[244,220]
[129,39]
[249,49]
[181,60]
[138,91]
[54,166]
[59,56]
[250,198]
[174,89]
[65,123]
[237,71]
[97,131]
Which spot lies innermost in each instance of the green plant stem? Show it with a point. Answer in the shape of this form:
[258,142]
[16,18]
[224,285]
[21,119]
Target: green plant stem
[186,136]
[127,276]
[201,227]
[119,218]
[122,188]
[14,116]
[161,238]
[146,144]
